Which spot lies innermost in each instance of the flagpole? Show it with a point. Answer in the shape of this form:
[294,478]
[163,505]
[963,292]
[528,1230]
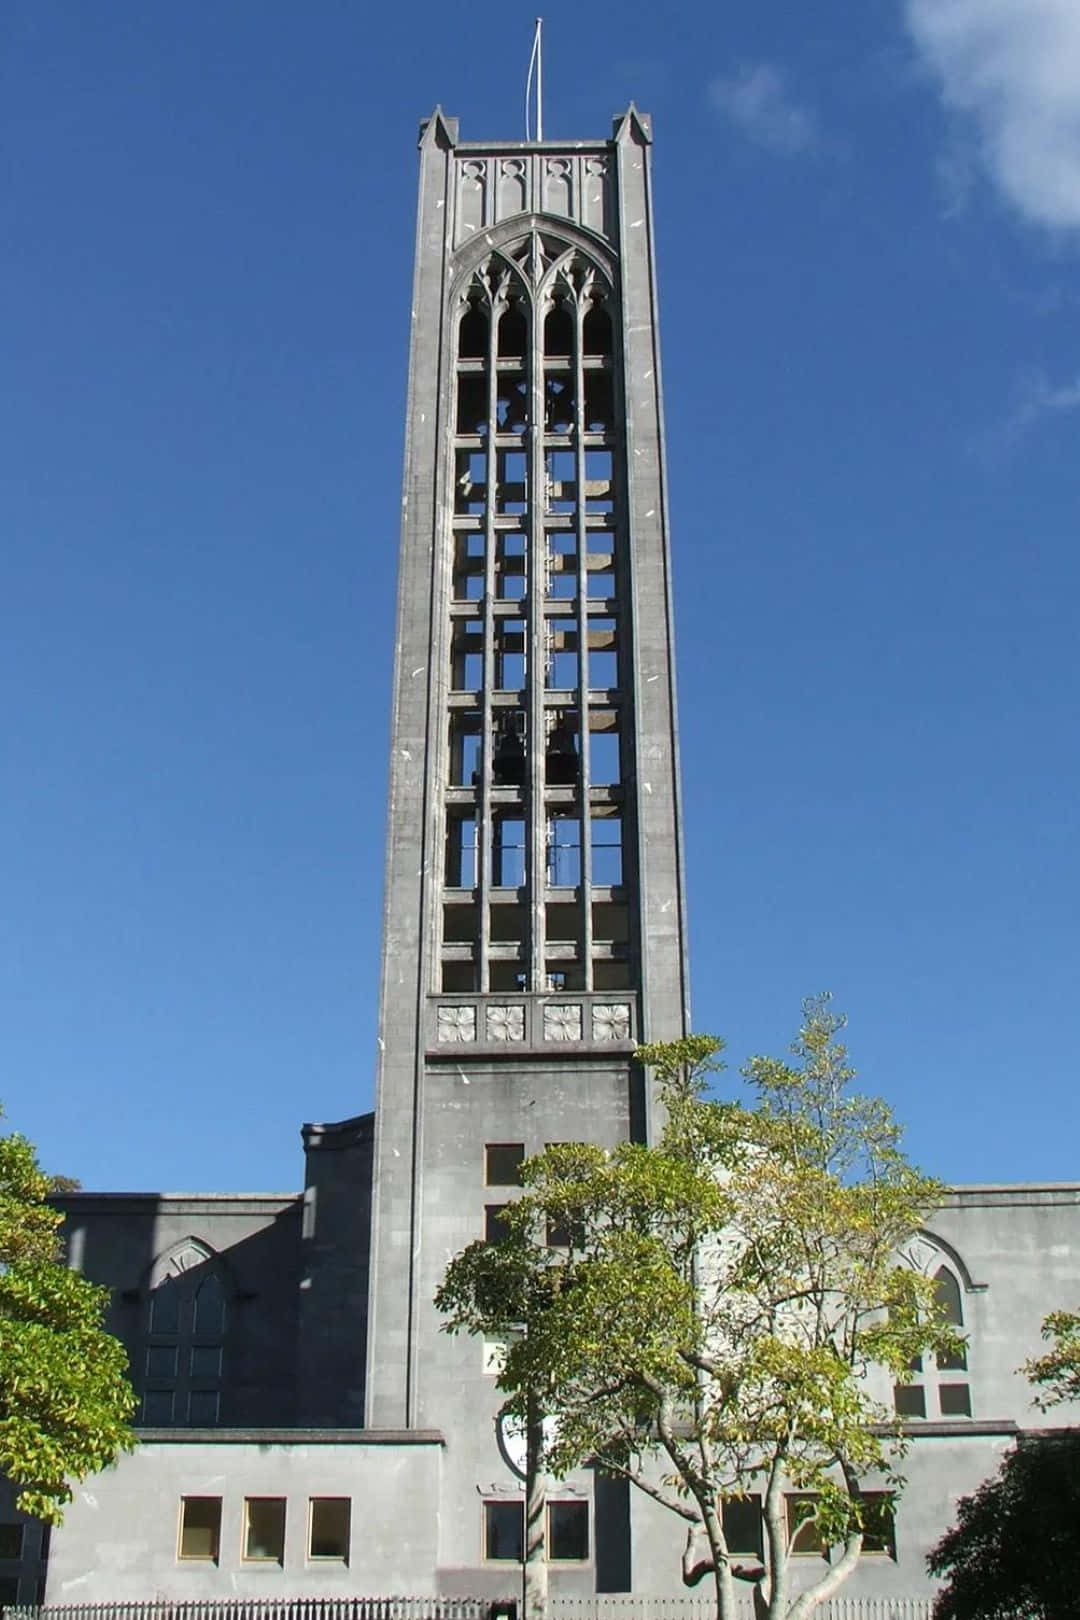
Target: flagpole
[536,62]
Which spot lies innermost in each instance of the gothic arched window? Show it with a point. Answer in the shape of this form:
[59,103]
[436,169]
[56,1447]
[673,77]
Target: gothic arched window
[184,1347]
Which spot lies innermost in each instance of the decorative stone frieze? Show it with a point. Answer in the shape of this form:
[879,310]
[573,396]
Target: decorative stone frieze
[506,1023]
[611,1021]
[457,1024]
[562,1022]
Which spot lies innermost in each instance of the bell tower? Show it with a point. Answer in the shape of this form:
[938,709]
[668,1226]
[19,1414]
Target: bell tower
[534,913]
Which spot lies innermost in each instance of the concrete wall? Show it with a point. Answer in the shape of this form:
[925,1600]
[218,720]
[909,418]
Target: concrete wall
[119,1540]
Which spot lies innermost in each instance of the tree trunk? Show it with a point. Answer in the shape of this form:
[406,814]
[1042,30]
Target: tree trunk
[534,1577]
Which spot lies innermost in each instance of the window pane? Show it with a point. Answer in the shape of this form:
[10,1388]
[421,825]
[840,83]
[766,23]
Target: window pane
[158,1408]
[802,1524]
[9,1590]
[328,1535]
[568,1531]
[742,1525]
[947,1296]
[909,1400]
[210,1309]
[200,1526]
[264,1527]
[161,1361]
[955,1400]
[879,1524]
[11,1540]
[203,1407]
[502,1164]
[206,1361]
[494,1225]
[165,1309]
[504,1530]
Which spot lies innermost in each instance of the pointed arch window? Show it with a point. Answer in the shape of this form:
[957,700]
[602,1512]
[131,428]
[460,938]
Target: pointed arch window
[939,1385]
[183,1359]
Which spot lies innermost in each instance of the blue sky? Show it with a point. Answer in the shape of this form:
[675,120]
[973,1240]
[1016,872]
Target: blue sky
[868,232]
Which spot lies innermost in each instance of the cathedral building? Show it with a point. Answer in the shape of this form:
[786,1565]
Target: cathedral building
[305,1427]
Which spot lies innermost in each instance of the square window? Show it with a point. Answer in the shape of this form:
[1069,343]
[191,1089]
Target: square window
[909,1400]
[11,1538]
[200,1527]
[264,1529]
[328,1527]
[504,1531]
[955,1400]
[158,1408]
[568,1532]
[495,1229]
[879,1523]
[502,1164]
[161,1361]
[742,1525]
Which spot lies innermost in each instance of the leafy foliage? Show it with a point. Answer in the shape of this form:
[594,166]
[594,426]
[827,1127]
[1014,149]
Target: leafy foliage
[1014,1553]
[64,1395]
[1058,1370]
[709,1330]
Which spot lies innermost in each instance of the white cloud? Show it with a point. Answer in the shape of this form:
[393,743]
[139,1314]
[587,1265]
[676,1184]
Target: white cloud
[757,102]
[1039,397]
[1012,67]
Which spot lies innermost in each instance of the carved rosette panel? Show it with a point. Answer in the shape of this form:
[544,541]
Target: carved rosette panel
[456,1024]
[506,1023]
[611,1021]
[562,1022]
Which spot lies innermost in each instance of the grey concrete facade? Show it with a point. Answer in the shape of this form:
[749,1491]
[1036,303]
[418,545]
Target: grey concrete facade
[285,1348]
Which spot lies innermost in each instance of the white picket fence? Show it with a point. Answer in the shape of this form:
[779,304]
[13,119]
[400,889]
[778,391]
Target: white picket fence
[703,1607]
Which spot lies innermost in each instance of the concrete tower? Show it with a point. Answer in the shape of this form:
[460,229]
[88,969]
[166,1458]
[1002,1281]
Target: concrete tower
[534,920]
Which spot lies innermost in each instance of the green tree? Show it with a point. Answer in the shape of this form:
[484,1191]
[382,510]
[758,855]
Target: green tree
[64,1396]
[1057,1371]
[708,1331]
[1014,1553]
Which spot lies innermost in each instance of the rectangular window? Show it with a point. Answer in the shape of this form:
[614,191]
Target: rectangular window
[504,1531]
[607,865]
[9,1590]
[742,1526]
[494,1225]
[200,1527]
[562,563]
[603,652]
[11,1539]
[955,1400]
[564,852]
[879,1523]
[568,1532]
[909,1400]
[461,852]
[508,852]
[605,765]
[502,1164]
[510,566]
[264,1529]
[329,1518]
[464,749]
[562,655]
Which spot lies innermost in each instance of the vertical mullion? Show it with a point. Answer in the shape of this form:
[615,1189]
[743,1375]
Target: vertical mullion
[535,672]
[584,817]
[485,825]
